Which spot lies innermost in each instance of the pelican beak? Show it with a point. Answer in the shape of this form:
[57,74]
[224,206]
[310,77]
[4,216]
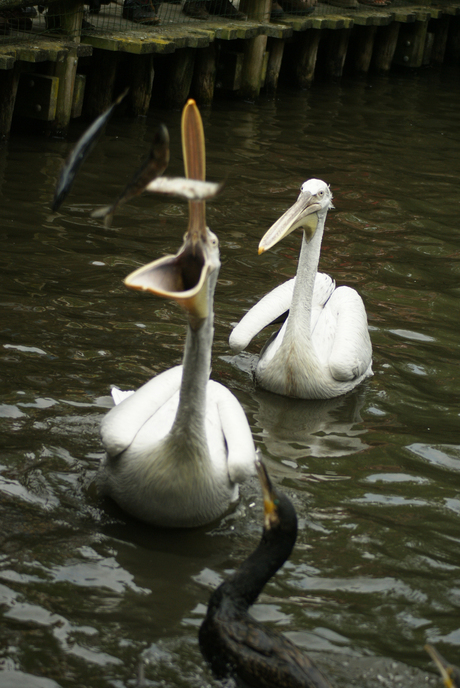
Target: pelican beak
[183,277]
[270,499]
[303,214]
[449,673]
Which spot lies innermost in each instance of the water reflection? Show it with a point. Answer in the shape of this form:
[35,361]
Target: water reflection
[294,429]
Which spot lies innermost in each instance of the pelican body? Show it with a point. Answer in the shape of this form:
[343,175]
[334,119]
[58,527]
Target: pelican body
[233,642]
[178,447]
[323,349]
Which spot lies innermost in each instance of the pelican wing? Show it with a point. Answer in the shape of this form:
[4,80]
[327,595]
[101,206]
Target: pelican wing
[273,305]
[351,352]
[264,312]
[240,446]
[121,425]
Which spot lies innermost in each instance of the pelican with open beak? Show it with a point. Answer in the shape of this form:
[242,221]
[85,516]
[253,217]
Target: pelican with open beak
[178,447]
[323,349]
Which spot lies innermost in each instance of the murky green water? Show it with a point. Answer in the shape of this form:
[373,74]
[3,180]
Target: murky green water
[87,593]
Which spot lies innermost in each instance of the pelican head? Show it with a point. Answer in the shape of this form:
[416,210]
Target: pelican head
[184,277]
[314,201]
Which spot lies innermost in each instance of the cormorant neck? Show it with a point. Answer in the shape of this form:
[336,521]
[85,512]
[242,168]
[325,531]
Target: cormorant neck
[196,370]
[245,585]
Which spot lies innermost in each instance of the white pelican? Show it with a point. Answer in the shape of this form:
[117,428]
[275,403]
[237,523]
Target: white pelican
[178,447]
[323,349]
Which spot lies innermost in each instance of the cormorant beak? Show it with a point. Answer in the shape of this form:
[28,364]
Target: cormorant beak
[303,214]
[270,499]
[449,673]
[183,277]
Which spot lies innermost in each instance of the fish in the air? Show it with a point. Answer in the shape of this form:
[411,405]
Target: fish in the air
[191,189]
[80,152]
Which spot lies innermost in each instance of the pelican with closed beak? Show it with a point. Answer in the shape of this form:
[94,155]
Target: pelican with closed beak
[323,349]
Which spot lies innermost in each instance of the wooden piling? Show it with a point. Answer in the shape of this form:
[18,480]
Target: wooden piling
[411,44]
[69,15]
[141,75]
[453,40]
[204,76]
[385,46]
[364,37]
[337,47]
[441,31]
[306,58]
[275,48]
[254,49]
[100,82]
[180,77]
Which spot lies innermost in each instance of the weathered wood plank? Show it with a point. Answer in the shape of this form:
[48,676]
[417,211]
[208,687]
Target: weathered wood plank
[41,52]
[377,19]
[411,43]
[7,61]
[130,44]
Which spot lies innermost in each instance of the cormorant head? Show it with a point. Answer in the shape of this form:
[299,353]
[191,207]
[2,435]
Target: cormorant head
[279,513]
[314,201]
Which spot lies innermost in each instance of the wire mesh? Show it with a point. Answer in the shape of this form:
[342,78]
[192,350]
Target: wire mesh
[119,16]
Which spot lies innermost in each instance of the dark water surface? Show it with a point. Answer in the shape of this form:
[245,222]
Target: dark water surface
[85,592]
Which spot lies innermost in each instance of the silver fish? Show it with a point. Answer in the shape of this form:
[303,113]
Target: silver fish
[80,152]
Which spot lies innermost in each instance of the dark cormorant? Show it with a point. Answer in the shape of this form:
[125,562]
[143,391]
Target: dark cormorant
[231,640]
